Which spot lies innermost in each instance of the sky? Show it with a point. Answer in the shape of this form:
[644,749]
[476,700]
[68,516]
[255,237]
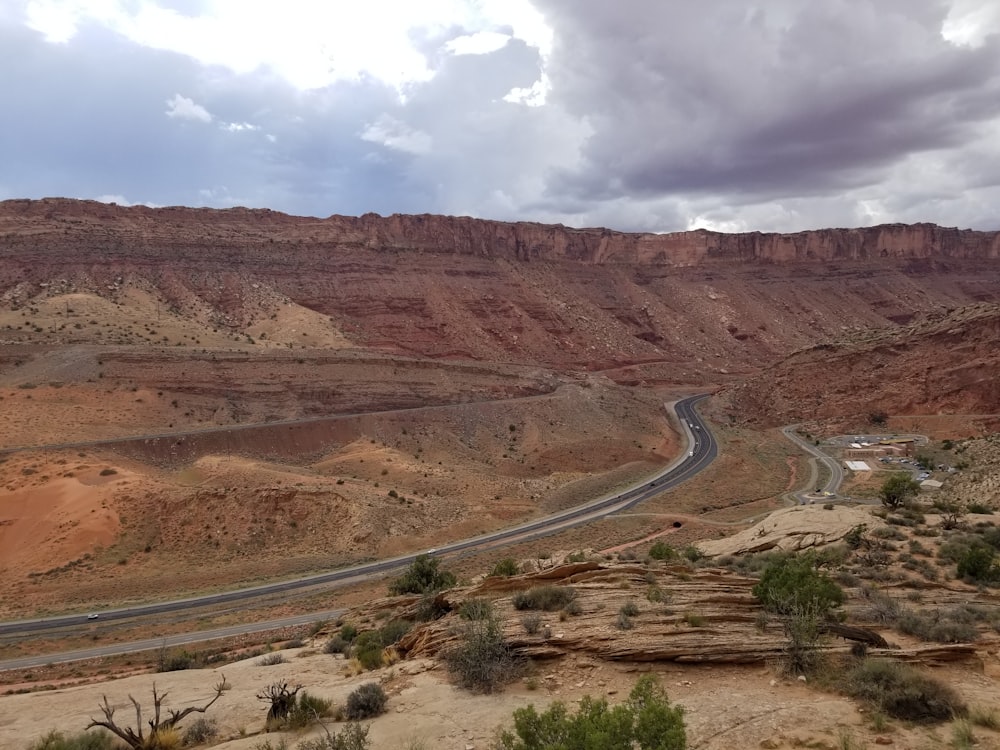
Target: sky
[639,115]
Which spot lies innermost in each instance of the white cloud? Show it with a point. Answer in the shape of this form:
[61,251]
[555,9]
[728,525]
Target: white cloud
[480,43]
[185,109]
[239,127]
[531,96]
[969,22]
[310,44]
[392,133]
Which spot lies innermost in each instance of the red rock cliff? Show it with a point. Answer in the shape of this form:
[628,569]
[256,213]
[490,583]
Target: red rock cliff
[56,224]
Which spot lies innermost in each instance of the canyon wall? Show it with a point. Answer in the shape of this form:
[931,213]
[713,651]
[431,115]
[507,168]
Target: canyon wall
[41,227]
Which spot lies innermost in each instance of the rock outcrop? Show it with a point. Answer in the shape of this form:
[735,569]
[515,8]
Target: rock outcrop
[691,307]
[792,530]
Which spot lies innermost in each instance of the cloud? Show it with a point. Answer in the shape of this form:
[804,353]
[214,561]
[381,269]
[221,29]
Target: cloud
[480,43]
[239,127]
[182,108]
[779,115]
[391,133]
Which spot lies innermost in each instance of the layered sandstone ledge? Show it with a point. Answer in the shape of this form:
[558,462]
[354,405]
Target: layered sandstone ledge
[56,225]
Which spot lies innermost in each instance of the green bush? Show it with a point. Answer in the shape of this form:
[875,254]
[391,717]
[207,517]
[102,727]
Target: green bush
[532,623]
[791,583]
[422,577]
[337,645]
[548,598]
[662,551]
[54,740]
[937,627]
[977,565]
[897,489]
[348,632]
[505,568]
[307,710]
[902,692]
[475,609]
[630,609]
[367,701]
[646,720]
[482,661]
[367,649]
[392,631]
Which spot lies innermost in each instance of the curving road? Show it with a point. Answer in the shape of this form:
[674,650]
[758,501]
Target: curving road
[836,471]
[702,449]
[833,464]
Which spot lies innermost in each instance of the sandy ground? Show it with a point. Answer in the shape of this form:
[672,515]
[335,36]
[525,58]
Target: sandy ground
[726,707]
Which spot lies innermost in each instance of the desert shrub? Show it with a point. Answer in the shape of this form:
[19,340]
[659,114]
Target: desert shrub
[482,662]
[348,632]
[879,607]
[976,564]
[295,643]
[366,701]
[352,737]
[393,630]
[888,532]
[80,741]
[572,608]
[937,627]
[423,576]
[532,623]
[576,557]
[902,692]
[790,583]
[271,660]
[200,730]
[505,568]
[692,553]
[337,645]
[475,609]
[175,661]
[662,551]
[367,649]
[630,608]
[985,717]
[548,598]
[980,509]
[623,621]
[307,710]
[646,720]
[694,620]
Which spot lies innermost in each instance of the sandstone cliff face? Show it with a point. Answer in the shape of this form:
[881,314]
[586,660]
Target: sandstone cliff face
[691,307]
[248,235]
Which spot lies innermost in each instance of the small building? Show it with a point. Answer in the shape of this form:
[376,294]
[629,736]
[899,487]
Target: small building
[905,445]
[858,466]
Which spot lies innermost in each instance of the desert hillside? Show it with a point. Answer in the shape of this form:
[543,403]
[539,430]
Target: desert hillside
[692,307]
[944,362]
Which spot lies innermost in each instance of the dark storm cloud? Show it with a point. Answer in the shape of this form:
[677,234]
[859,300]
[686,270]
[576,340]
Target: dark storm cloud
[780,115]
[798,99]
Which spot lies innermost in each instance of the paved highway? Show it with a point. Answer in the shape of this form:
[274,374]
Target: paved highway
[702,449]
[836,472]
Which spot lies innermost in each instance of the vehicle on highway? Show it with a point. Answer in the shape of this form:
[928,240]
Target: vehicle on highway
[93,616]
[690,453]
